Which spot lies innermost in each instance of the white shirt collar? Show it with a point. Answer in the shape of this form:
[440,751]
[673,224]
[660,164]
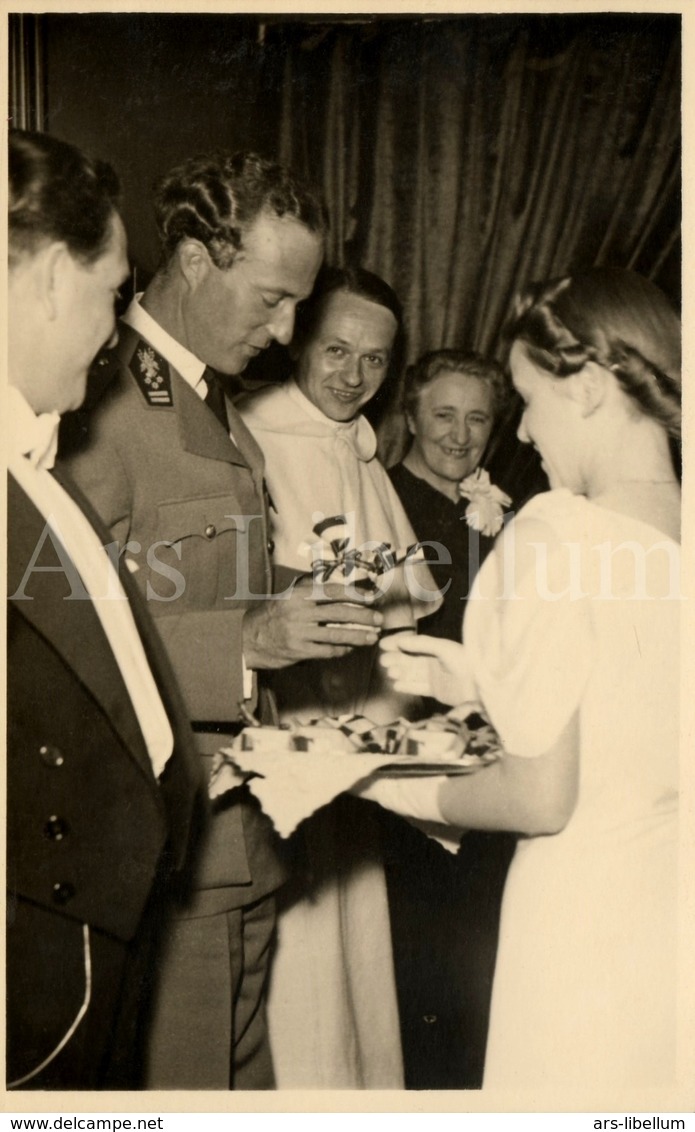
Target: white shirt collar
[32,435]
[184,362]
[357,433]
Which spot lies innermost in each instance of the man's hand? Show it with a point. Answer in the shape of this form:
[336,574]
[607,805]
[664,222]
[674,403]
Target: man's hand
[312,622]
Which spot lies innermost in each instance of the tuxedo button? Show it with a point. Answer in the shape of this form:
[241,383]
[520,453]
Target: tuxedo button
[51,756]
[210,530]
[271,546]
[56,828]
[63,892]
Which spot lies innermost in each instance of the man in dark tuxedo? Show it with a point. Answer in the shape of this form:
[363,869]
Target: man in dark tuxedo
[102,776]
[171,468]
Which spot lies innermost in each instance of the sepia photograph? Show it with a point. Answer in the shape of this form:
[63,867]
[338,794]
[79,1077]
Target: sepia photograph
[345,607]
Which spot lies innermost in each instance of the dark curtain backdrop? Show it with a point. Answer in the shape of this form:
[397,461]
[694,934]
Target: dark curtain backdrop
[463,158]
[460,157]
[27,72]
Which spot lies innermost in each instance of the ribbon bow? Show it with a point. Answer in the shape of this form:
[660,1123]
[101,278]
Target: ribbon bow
[347,561]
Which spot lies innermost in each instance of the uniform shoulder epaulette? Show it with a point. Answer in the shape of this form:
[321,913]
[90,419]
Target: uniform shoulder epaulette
[152,374]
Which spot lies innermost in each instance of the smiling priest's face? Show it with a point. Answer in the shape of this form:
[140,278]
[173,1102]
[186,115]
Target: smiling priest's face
[347,358]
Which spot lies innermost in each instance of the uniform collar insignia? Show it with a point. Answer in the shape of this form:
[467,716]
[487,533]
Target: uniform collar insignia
[151,371]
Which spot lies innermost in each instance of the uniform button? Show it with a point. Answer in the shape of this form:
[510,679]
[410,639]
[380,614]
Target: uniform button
[271,546]
[63,892]
[210,530]
[51,756]
[429,1018]
[56,828]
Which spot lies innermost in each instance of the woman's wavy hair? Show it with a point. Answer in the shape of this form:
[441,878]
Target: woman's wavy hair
[216,197]
[469,364]
[613,317]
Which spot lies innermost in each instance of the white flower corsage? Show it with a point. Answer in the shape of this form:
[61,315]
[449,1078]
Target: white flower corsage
[484,512]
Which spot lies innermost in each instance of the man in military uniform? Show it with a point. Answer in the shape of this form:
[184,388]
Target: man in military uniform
[171,468]
[101,767]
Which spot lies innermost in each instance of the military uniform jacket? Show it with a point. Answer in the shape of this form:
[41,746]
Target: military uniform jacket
[186,508]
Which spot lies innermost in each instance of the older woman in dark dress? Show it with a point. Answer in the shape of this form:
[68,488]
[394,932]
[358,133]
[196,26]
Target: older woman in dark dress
[451,401]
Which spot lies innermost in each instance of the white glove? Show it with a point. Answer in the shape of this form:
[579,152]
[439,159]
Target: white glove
[428,666]
[416,799]
[410,797]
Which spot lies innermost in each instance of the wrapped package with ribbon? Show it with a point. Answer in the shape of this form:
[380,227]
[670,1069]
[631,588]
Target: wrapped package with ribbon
[336,559]
[295,770]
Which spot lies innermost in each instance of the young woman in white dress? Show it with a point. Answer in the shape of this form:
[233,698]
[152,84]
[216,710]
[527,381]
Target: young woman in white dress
[572,646]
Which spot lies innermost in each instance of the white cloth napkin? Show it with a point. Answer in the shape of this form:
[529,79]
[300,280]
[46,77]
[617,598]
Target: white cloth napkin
[292,785]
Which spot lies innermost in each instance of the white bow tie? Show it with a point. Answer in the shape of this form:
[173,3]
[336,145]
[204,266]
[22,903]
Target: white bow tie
[43,441]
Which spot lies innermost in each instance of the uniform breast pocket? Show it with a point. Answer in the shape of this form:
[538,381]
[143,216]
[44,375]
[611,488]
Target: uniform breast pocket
[194,558]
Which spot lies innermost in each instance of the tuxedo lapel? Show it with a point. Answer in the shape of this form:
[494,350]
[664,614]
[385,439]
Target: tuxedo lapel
[72,627]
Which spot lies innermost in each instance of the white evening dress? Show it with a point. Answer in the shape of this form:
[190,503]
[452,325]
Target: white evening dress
[332,1008]
[584,988]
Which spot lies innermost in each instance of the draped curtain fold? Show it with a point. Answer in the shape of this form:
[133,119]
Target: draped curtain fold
[460,157]
[27,109]
[463,158]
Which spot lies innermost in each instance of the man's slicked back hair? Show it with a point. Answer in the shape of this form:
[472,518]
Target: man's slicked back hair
[57,193]
[215,198]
